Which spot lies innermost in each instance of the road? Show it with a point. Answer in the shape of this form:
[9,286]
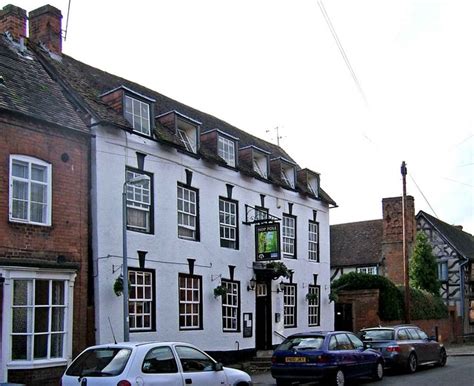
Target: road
[459,371]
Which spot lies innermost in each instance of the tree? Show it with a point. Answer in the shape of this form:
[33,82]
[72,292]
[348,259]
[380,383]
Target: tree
[423,266]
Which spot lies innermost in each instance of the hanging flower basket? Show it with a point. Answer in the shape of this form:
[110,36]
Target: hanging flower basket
[118,286]
[311,297]
[278,269]
[220,290]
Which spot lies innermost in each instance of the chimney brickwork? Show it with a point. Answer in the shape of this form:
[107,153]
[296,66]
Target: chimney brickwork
[45,27]
[13,20]
[392,244]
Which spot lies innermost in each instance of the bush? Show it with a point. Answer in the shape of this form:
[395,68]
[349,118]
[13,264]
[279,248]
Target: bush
[424,305]
[391,304]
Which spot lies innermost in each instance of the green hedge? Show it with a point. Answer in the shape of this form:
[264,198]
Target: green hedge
[390,299]
[423,305]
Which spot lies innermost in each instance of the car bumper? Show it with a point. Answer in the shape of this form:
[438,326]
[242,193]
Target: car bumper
[302,374]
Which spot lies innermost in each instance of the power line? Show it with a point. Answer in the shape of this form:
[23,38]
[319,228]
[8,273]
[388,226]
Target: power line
[423,195]
[341,50]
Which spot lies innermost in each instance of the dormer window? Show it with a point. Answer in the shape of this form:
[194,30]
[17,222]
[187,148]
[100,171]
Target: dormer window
[226,150]
[288,176]
[313,185]
[138,114]
[260,165]
[284,171]
[186,139]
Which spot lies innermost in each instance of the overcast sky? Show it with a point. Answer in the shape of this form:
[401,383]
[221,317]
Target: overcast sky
[262,64]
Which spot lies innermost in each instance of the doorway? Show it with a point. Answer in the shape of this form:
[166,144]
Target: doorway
[343,317]
[263,315]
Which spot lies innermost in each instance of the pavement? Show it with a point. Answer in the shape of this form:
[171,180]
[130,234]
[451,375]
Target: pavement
[460,349]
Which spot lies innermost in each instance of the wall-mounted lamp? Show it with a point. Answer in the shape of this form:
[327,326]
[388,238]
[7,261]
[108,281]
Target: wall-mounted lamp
[252,284]
[280,287]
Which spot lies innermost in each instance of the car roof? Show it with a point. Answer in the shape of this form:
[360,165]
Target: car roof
[389,327]
[136,344]
[318,333]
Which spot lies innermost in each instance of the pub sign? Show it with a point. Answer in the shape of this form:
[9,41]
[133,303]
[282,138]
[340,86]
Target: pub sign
[267,241]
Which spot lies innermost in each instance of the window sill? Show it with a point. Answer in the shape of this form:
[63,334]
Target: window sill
[18,365]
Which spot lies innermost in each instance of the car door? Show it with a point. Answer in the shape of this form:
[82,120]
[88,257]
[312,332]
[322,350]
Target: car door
[347,356]
[158,368]
[198,369]
[418,344]
[365,359]
[431,347]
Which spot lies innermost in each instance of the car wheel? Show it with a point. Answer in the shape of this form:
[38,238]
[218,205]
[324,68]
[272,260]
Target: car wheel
[412,363]
[339,379]
[443,357]
[377,373]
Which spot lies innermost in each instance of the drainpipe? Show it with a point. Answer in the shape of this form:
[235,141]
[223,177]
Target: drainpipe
[461,276]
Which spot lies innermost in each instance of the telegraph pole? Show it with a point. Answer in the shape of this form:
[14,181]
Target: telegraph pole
[405,245]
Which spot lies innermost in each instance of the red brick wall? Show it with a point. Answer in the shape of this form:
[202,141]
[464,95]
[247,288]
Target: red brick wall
[69,233]
[13,19]
[392,244]
[45,27]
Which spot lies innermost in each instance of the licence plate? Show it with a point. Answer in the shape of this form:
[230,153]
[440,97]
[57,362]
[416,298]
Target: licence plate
[295,359]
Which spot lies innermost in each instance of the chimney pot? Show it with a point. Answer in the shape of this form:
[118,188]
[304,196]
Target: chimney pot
[45,27]
[13,20]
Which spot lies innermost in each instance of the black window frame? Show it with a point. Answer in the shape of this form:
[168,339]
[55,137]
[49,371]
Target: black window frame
[295,306]
[201,310]
[236,203]
[239,306]
[284,254]
[318,243]
[318,287]
[153,299]
[198,219]
[151,231]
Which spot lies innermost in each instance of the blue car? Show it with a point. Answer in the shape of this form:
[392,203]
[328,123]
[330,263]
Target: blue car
[332,357]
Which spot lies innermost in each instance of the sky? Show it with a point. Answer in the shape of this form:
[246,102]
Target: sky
[397,85]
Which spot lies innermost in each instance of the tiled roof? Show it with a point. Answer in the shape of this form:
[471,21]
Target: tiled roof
[27,89]
[356,244]
[89,83]
[462,241]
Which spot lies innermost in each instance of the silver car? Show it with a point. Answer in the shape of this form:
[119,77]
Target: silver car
[150,363]
[404,346]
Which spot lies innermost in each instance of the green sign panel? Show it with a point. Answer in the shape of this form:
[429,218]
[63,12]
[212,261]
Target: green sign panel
[267,241]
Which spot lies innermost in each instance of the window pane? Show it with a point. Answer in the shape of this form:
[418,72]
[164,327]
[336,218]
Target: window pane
[41,292]
[41,319]
[20,293]
[38,173]
[57,345]
[41,346]
[20,319]
[19,347]
[57,324]
[20,169]
[58,293]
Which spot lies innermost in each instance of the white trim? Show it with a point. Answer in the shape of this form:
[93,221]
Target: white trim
[49,188]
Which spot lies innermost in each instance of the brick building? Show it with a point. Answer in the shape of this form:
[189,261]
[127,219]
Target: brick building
[44,180]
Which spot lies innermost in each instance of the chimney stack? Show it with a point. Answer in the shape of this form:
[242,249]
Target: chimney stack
[45,27]
[392,241]
[13,20]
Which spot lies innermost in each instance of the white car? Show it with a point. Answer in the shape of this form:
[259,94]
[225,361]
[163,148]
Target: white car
[150,363]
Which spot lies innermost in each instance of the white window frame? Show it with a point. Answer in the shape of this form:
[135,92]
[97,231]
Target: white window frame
[260,166]
[226,150]
[289,305]
[139,198]
[186,138]
[289,235]
[136,114]
[28,181]
[443,271]
[288,176]
[313,241]
[313,185]
[141,300]
[314,306]
[190,305]
[187,208]
[230,306]
[369,270]
[228,230]
[16,273]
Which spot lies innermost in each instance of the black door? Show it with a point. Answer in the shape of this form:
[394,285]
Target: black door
[343,317]
[263,315]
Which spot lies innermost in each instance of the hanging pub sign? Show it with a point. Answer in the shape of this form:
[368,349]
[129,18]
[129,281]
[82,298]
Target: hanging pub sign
[267,241]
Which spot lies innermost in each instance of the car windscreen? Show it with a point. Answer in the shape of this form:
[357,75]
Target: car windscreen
[377,335]
[100,362]
[302,343]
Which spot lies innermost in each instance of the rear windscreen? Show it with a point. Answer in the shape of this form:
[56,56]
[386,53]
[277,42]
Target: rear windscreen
[302,343]
[101,362]
[377,334]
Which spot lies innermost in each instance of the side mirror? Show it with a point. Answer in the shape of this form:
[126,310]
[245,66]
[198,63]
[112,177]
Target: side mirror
[433,338]
[367,345]
[217,366]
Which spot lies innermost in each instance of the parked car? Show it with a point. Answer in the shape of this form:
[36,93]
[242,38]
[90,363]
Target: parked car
[405,346]
[150,363]
[329,356]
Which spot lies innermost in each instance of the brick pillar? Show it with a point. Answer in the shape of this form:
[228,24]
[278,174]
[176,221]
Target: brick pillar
[13,20]
[45,27]
[392,241]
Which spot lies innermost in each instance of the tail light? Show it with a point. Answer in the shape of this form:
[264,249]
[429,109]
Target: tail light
[124,383]
[321,358]
[393,348]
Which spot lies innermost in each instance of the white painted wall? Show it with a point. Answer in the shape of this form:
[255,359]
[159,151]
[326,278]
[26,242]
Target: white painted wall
[167,254]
